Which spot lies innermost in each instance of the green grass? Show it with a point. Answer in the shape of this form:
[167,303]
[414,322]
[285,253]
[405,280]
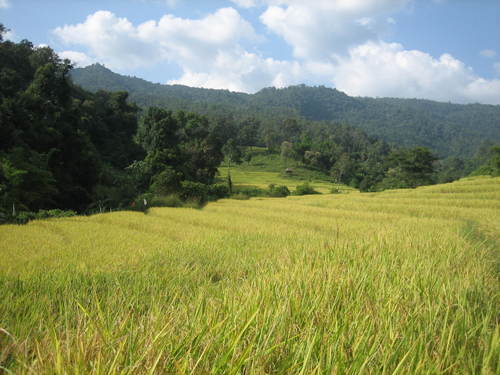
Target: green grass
[398,282]
[265,169]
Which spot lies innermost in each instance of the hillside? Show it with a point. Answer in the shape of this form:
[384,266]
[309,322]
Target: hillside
[448,129]
[265,169]
[398,282]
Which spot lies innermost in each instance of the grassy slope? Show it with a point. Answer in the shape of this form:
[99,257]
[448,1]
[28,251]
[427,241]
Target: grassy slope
[266,169]
[399,282]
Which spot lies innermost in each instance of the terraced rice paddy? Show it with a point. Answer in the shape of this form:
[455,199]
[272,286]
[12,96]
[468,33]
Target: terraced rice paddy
[262,179]
[399,282]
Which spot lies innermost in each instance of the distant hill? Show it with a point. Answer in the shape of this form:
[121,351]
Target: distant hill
[448,129]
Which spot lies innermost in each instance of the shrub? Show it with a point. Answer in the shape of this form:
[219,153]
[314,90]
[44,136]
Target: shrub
[194,202]
[218,191]
[335,190]
[22,217]
[45,214]
[251,191]
[305,189]
[191,189]
[278,191]
[171,200]
[166,182]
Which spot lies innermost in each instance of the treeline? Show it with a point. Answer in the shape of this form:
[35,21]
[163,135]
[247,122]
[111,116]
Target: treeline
[449,130]
[63,147]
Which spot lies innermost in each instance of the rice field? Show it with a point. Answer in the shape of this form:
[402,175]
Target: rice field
[262,179]
[398,282]
[265,169]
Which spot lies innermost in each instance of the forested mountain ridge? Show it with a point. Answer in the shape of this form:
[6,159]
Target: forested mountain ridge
[448,129]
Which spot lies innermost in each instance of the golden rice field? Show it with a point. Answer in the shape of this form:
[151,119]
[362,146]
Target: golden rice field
[399,282]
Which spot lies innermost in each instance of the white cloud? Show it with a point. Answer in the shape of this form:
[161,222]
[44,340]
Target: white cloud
[319,29]
[4,4]
[489,53]
[10,35]
[121,45]
[335,42]
[239,70]
[80,59]
[245,3]
[387,69]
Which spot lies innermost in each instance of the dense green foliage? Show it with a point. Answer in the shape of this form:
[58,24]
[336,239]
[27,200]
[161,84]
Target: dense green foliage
[180,147]
[492,166]
[409,169]
[450,130]
[305,189]
[59,145]
[66,148]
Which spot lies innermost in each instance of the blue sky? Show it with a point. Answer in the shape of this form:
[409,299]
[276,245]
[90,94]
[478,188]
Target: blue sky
[446,50]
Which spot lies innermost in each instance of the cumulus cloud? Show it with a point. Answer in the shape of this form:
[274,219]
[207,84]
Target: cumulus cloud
[387,69]
[80,59]
[4,4]
[319,29]
[489,53]
[239,70]
[335,42]
[118,43]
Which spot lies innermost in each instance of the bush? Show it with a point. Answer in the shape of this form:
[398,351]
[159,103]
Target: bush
[335,190]
[4,217]
[46,214]
[166,182]
[251,191]
[305,189]
[171,200]
[218,191]
[194,202]
[278,191]
[24,217]
[194,190]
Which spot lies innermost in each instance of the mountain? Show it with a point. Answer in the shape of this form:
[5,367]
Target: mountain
[451,130]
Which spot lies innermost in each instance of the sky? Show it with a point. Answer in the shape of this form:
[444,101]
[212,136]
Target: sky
[445,50]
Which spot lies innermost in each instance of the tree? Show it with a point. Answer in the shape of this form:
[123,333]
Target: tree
[492,166]
[290,129]
[158,130]
[70,146]
[410,168]
[286,152]
[450,169]
[232,152]
[343,169]
[180,147]
[248,155]
[271,139]
[3,31]
[248,132]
